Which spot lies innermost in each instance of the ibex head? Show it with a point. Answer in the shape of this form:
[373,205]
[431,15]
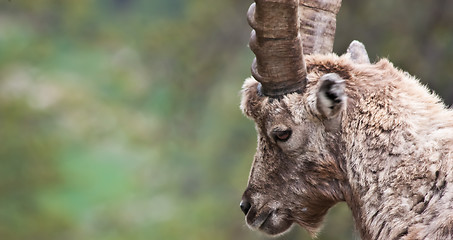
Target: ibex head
[297,173]
[297,103]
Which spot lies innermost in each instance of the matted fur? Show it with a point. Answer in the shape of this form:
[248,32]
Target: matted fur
[388,154]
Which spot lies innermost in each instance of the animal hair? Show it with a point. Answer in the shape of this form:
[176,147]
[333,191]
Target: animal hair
[388,153]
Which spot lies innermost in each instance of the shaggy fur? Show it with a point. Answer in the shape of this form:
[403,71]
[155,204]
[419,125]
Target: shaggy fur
[387,152]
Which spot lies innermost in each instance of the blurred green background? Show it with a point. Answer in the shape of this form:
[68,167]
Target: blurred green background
[119,119]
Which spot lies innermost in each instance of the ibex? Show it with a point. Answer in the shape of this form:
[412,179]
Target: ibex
[339,128]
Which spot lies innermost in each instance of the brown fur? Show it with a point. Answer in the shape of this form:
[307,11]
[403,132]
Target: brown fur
[388,154]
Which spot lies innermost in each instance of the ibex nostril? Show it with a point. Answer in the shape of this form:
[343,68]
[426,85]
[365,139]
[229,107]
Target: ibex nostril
[245,206]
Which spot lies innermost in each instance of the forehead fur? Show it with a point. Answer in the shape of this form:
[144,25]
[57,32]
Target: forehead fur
[258,107]
[261,108]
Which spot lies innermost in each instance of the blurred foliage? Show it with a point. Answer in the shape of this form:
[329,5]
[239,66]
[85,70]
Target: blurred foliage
[119,118]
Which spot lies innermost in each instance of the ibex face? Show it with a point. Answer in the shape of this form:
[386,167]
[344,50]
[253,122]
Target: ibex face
[297,170]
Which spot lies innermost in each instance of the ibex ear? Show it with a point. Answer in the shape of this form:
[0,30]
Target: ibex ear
[331,98]
[357,52]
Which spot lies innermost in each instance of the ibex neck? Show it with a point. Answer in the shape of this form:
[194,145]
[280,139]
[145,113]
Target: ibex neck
[399,148]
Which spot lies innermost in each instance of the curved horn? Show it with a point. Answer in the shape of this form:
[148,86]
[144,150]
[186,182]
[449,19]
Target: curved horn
[318,24]
[279,64]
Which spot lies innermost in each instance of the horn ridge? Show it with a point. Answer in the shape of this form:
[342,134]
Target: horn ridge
[318,25]
[276,41]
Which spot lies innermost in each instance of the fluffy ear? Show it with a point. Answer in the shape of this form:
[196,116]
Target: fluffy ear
[250,100]
[357,52]
[331,98]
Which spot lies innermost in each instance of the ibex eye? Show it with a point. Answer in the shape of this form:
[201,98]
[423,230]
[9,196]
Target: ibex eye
[282,136]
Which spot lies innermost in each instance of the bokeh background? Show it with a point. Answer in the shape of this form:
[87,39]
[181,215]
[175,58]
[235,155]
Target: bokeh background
[119,119]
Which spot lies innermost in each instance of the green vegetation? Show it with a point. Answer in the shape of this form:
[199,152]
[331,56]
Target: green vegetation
[119,119]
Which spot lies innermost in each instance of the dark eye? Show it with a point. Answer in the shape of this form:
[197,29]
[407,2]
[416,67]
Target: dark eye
[282,136]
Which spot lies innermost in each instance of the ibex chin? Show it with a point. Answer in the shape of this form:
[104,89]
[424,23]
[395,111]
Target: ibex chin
[339,128]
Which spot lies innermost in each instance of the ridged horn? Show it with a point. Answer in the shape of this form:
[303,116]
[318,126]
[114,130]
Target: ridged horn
[283,31]
[276,41]
[318,24]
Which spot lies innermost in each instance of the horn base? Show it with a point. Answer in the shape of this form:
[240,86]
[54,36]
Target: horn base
[273,91]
